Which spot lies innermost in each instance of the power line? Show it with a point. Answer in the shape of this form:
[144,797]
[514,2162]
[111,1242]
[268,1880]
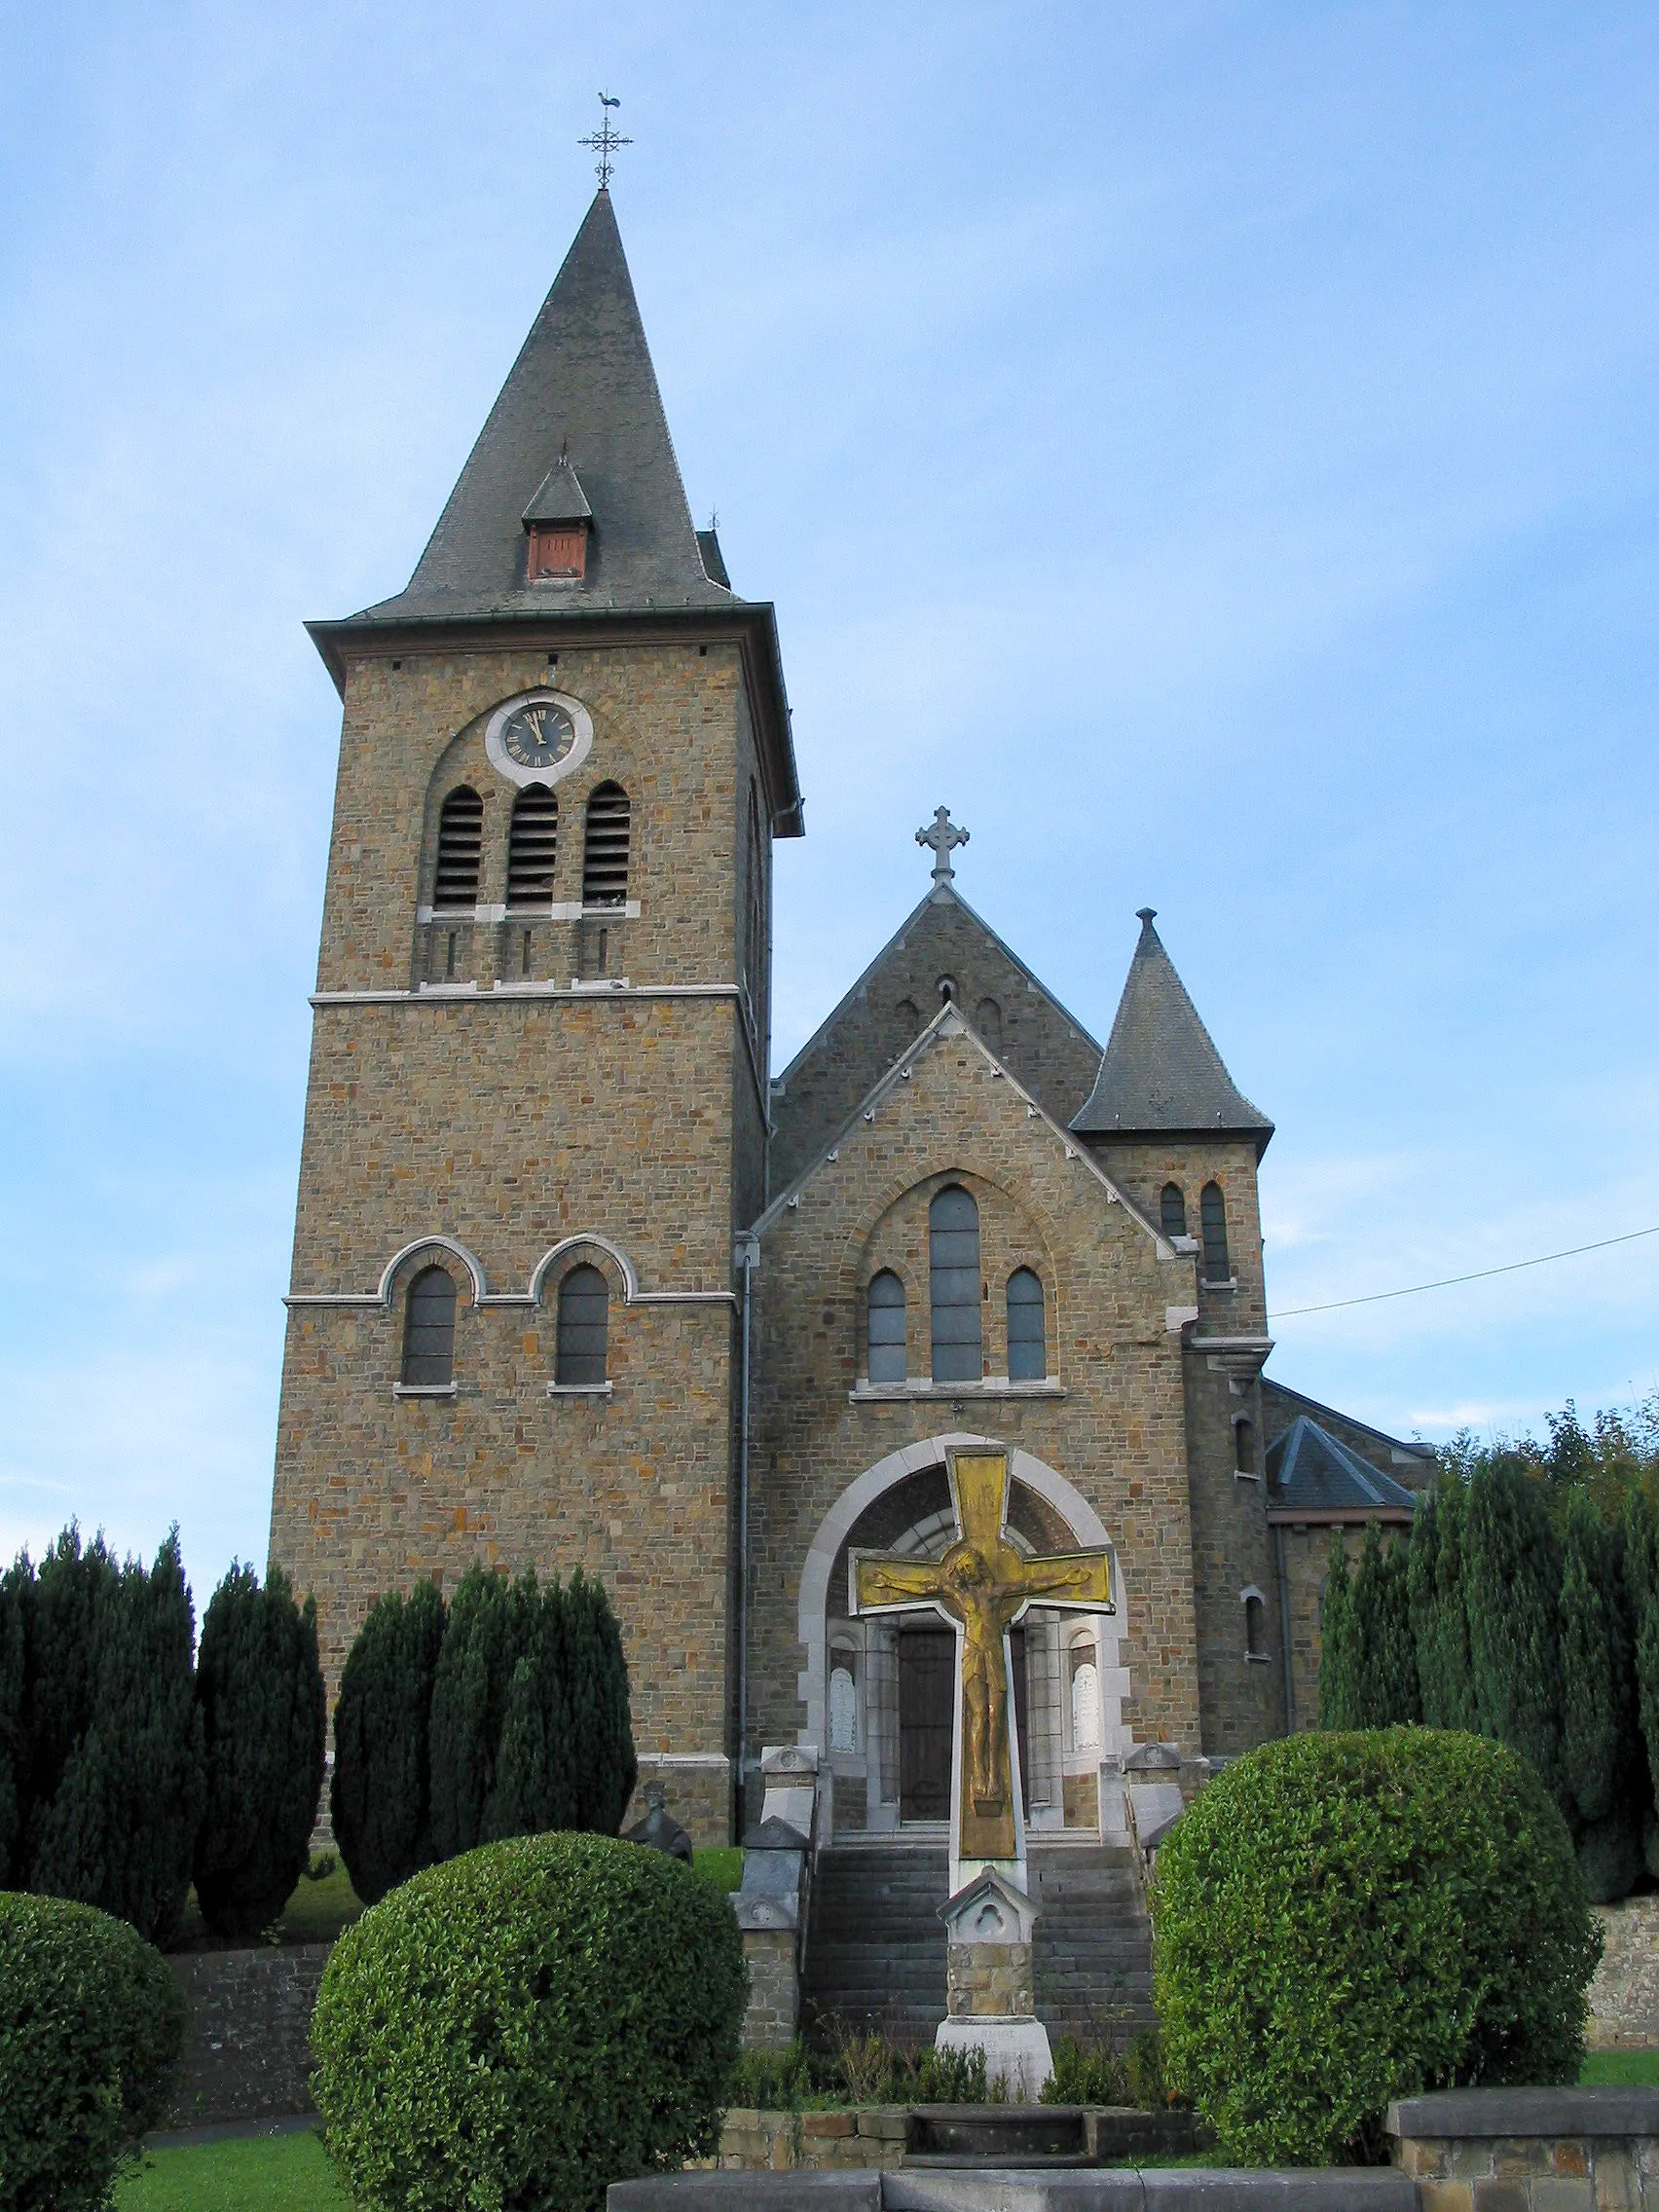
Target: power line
[1480,1275]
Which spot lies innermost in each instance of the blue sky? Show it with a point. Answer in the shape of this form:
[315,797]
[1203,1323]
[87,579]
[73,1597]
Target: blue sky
[1212,447]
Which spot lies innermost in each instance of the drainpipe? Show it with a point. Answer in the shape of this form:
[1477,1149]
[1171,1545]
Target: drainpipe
[1284,1628]
[748,1253]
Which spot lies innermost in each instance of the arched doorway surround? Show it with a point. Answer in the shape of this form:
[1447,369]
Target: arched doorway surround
[851,1709]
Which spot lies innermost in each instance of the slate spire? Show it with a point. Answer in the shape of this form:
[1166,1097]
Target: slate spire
[580,419]
[1160,1073]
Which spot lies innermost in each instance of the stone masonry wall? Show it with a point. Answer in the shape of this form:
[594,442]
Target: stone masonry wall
[1113,1424]
[247,2052]
[1241,1696]
[510,1119]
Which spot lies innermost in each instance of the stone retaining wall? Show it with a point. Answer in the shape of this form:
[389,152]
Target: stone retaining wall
[1623,1997]
[247,2052]
[1590,2149]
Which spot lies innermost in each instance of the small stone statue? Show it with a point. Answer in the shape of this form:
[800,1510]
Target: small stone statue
[659,1829]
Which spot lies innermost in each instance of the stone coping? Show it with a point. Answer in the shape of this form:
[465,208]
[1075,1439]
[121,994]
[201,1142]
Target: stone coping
[1105,2189]
[1609,2108]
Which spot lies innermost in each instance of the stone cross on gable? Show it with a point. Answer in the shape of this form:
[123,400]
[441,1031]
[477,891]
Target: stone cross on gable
[943,837]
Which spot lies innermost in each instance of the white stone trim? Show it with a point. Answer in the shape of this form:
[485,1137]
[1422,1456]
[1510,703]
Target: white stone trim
[427,994]
[425,1389]
[436,1243]
[864,1393]
[581,726]
[1073,1508]
[682,1758]
[580,1390]
[632,1294]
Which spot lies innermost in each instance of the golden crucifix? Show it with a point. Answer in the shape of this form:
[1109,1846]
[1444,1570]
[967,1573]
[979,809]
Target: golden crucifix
[983,1584]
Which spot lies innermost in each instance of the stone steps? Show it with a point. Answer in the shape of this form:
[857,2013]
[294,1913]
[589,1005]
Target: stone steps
[875,1943]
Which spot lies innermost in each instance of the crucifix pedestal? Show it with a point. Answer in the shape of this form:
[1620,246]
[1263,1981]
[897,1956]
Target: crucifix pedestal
[982,1585]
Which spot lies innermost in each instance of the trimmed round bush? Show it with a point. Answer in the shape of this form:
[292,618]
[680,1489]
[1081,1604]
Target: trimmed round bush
[1341,1918]
[92,2025]
[526,2024]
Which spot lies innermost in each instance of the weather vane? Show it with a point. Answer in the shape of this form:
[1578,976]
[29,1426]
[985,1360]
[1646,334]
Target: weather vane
[605,142]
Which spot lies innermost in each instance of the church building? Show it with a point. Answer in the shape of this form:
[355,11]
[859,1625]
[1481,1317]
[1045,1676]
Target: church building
[578,1282]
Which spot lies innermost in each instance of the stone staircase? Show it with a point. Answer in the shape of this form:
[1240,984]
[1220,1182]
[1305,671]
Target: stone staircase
[875,1943]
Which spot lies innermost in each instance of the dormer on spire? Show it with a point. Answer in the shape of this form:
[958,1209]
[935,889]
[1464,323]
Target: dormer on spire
[557,523]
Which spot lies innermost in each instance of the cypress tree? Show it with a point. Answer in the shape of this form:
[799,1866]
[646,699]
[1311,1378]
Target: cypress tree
[535,1782]
[1642,1583]
[1340,1704]
[120,1832]
[596,1691]
[1596,1706]
[379,1801]
[491,1627]
[1514,1589]
[71,1588]
[1450,1662]
[17,1603]
[263,1718]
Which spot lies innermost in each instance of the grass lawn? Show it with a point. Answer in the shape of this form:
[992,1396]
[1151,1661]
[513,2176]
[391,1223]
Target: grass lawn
[1639,2067]
[263,2173]
[721,1864]
[315,1913]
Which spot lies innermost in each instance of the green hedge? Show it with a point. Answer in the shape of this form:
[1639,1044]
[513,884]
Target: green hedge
[525,2023]
[1345,1918]
[92,2025]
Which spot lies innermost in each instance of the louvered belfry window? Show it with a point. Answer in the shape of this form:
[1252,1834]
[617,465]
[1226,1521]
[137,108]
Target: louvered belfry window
[604,855]
[1027,1346]
[429,1328]
[1172,1210]
[1212,1213]
[584,1326]
[532,847]
[460,841]
[953,1282]
[886,1328]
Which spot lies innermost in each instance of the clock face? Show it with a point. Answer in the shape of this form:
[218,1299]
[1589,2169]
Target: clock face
[538,734]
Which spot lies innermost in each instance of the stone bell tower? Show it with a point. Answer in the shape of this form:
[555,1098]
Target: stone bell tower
[536,1110]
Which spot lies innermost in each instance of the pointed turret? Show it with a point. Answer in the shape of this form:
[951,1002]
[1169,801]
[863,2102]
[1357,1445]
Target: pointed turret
[582,389]
[570,511]
[1160,1073]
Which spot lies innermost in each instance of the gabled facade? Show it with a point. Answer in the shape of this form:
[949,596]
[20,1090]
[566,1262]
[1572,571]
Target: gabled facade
[575,1284]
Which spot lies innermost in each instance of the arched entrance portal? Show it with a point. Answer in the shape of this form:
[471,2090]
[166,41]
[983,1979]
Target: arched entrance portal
[880,1693]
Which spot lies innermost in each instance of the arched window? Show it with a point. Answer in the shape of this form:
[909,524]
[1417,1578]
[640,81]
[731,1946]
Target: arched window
[1212,1212]
[429,1328]
[953,1284]
[906,1023]
[460,841]
[1255,1625]
[1244,1446]
[532,847]
[886,1328]
[987,1021]
[843,1702]
[604,854]
[584,1326]
[1027,1348]
[947,993]
[1172,1210]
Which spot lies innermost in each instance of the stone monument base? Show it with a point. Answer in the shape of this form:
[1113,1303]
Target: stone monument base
[1016,2051]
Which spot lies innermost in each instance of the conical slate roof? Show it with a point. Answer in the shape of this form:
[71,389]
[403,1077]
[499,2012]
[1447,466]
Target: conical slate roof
[582,387]
[1316,1473]
[1160,1073]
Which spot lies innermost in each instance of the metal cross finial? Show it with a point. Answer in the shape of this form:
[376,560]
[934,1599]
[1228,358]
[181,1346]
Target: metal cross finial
[605,142]
[943,837]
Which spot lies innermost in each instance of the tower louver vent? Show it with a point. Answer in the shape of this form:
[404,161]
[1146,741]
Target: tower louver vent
[605,858]
[533,847]
[460,840]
